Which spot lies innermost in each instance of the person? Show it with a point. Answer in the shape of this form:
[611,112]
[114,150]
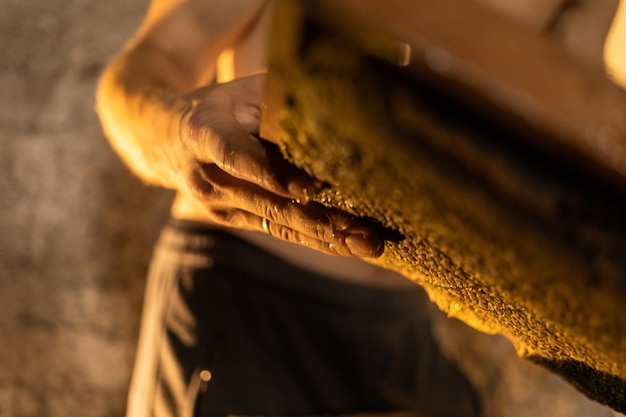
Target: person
[257,301]
[238,319]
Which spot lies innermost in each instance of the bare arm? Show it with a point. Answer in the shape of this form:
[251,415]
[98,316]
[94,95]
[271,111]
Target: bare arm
[139,94]
[175,130]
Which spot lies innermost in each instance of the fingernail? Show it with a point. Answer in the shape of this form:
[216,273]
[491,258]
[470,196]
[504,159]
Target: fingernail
[361,245]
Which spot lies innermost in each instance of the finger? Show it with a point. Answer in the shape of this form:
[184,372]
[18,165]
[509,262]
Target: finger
[251,159]
[242,219]
[213,134]
[245,220]
[346,234]
[247,108]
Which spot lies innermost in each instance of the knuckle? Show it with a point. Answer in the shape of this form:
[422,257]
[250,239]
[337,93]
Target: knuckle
[273,212]
[224,217]
[309,241]
[191,125]
[285,233]
[225,155]
[320,231]
[196,127]
[307,219]
[201,187]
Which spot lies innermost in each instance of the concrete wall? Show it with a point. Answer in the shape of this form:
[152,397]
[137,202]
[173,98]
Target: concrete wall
[76,228]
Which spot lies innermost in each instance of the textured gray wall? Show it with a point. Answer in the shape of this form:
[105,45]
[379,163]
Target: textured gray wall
[76,228]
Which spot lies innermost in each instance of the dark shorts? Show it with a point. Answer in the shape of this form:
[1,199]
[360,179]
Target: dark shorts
[230,329]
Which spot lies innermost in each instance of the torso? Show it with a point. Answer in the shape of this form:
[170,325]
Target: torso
[250,58]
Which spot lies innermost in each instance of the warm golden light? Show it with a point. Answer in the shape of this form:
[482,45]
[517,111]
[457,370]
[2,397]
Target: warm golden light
[615,47]
[206,375]
[226,66]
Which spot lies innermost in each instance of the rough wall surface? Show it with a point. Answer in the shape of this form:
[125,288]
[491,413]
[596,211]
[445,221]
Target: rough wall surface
[76,227]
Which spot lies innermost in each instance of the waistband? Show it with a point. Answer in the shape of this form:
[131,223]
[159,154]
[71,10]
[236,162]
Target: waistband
[201,246]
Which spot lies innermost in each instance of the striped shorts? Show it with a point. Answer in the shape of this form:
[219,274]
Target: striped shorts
[228,328]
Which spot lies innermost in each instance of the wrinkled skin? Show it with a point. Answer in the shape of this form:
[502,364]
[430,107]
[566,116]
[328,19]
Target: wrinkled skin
[240,179]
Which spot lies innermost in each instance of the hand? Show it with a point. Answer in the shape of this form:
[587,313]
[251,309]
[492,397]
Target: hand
[242,180]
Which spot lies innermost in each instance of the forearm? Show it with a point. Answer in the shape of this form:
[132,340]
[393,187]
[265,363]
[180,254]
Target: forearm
[139,108]
[141,94]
